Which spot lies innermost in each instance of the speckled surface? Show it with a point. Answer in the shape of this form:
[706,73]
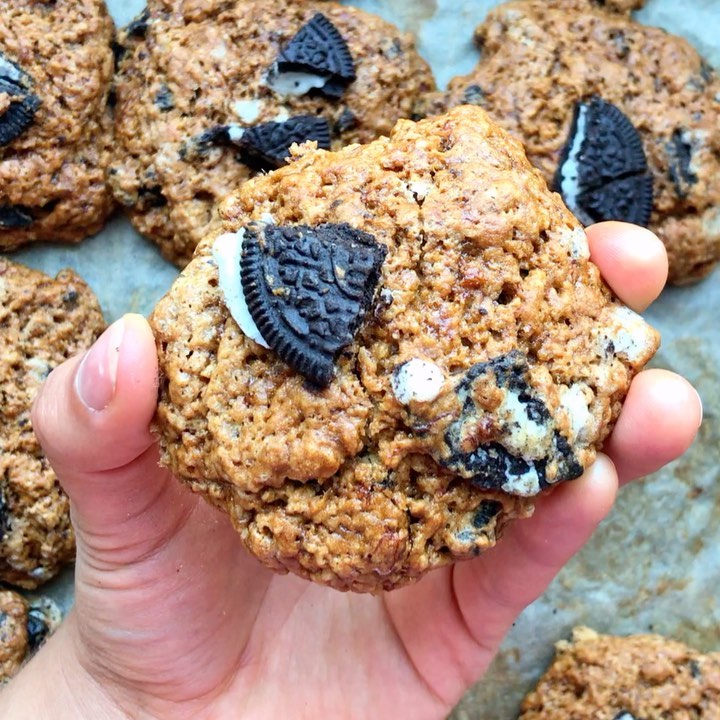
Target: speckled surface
[653,565]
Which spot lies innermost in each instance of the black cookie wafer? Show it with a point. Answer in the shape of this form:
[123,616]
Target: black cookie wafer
[267,146]
[319,48]
[15,216]
[308,290]
[603,173]
[18,103]
[480,445]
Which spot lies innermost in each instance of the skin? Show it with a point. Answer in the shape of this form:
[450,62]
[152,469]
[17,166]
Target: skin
[174,620]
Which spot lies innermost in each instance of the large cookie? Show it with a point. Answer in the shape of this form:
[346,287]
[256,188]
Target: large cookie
[42,323]
[641,677]
[56,67]
[23,628]
[210,93]
[489,362]
[541,65]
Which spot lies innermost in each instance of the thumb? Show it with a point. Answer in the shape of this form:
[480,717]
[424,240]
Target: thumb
[92,418]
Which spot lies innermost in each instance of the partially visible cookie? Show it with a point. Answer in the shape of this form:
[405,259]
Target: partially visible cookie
[42,323]
[640,677]
[388,351]
[542,70]
[56,66]
[211,93]
[23,628]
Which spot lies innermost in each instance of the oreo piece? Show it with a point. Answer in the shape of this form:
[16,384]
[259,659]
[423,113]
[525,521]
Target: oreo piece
[679,151]
[37,628]
[266,146]
[318,49]
[13,217]
[20,111]
[164,99]
[138,26]
[308,290]
[603,173]
[625,715]
[515,448]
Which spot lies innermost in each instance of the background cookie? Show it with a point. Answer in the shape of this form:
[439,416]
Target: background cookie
[194,76]
[641,677]
[55,127]
[23,628]
[492,363]
[42,323]
[539,61]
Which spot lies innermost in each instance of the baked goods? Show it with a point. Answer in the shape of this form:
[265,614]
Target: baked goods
[210,93]
[540,65]
[42,323]
[641,677]
[56,67]
[23,628]
[492,361]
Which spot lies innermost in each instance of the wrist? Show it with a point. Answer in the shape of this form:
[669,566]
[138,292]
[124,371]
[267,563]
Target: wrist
[54,685]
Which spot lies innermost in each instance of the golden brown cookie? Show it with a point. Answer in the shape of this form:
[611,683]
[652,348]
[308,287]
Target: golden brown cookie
[641,677]
[42,323]
[210,93]
[442,350]
[539,63]
[56,67]
[23,628]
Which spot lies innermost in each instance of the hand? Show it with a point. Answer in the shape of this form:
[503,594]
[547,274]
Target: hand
[174,620]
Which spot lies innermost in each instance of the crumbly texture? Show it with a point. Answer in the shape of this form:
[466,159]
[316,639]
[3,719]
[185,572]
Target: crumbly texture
[641,677]
[348,486]
[200,65]
[54,171]
[13,633]
[537,62]
[42,323]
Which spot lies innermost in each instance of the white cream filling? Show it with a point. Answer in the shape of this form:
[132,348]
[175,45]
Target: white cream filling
[227,253]
[574,401]
[235,133]
[527,484]
[248,110]
[628,332]
[8,70]
[291,84]
[570,170]
[522,436]
[417,380]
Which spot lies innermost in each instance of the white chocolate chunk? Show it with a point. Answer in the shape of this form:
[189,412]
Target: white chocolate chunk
[227,252]
[248,110]
[417,380]
[575,402]
[293,84]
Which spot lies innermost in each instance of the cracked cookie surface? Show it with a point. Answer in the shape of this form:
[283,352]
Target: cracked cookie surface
[43,322]
[53,163]
[491,332]
[640,677]
[190,68]
[538,62]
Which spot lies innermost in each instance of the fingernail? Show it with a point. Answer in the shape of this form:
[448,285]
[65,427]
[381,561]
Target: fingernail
[700,400]
[97,375]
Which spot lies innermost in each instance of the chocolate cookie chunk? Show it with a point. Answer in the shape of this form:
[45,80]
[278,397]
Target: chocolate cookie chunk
[42,323]
[490,364]
[641,677]
[541,64]
[56,67]
[210,93]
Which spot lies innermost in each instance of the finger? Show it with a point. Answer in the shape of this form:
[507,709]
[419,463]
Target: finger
[632,260]
[658,423]
[93,417]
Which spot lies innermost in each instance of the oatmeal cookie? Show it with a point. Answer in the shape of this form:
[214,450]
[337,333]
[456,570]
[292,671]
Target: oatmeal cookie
[42,323]
[56,66]
[210,93]
[543,67]
[641,677]
[440,350]
[24,626]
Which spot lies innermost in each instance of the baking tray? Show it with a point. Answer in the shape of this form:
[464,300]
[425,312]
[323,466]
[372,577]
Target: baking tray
[653,565]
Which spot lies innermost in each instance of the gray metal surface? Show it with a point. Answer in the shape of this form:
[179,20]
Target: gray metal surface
[653,565]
